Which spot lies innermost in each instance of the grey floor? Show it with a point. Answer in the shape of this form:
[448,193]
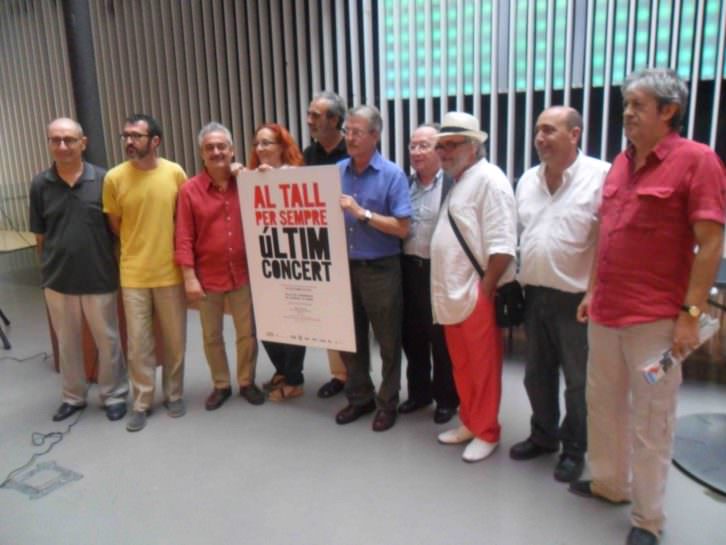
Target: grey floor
[287,474]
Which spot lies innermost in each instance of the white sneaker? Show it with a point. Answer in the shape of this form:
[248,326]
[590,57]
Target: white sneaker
[456,436]
[478,450]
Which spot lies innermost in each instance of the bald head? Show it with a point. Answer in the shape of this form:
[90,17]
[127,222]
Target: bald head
[556,136]
[66,123]
[66,143]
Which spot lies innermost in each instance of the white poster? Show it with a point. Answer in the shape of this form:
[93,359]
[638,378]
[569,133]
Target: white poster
[297,257]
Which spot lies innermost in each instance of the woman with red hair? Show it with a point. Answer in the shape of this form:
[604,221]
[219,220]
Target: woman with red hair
[273,147]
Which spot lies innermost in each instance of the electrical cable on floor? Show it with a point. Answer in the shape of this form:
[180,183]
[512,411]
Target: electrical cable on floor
[38,440]
[45,355]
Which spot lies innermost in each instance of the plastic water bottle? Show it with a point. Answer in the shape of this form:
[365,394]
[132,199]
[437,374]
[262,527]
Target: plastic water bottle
[653,372]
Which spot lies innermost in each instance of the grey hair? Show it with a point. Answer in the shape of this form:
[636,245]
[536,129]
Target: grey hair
[211,127]
[434,126]
[76,125]
[371,114]
[337,105]
[665,85]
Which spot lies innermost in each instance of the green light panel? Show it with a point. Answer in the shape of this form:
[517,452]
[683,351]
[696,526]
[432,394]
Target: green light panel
[436,48]
[620,41]
[390,49]
[451,32]
[709,52]
[540,44]
[663,35]
[642,32]
[560,42]
[420,26]
[520,51]
[468,48]
[405,57]
[486,47]
[599,32]
[685,42]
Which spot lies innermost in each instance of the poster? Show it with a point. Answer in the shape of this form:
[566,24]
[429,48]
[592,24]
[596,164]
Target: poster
[297,257]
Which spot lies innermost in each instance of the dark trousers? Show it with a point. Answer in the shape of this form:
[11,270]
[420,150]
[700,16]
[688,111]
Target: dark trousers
[378,302]
[556,340]
[423,339]
[287,359]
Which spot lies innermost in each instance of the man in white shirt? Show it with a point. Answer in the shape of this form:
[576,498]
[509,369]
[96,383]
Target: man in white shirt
[557,204]
[481,202]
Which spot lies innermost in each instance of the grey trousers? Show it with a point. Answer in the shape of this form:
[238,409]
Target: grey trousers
[66,314]
[378,302]
[556,340]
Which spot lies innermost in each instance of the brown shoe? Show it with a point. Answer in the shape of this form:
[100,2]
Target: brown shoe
[217,398]
[252,394]
[351,413]
[285,391]
[384,419]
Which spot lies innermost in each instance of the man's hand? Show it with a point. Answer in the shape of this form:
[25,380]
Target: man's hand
[349,204]
[236,168]
[685,335]
[583,309]
[193,289]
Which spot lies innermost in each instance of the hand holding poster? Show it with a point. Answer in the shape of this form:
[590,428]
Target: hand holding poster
[297,258]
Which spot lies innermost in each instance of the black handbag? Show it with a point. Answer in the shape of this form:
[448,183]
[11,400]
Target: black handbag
[508,299]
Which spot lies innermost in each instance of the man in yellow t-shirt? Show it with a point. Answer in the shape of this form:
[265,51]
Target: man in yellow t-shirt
[139,196]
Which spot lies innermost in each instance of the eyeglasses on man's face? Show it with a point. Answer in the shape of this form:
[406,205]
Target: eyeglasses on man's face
[450,145]
[420,146]
[133,136]
[69,141]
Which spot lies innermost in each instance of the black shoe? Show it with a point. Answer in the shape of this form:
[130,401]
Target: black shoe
[66,410]
[331,388]
[217,398]
[252,394]
[639,536]
[115,411]
[442,415]
[351,413]
[569,469]
[584,490]
[528,449]
[411,405]
[384,419]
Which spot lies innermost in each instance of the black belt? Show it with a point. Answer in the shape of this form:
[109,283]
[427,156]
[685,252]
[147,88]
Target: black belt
[370,262]
[416,260]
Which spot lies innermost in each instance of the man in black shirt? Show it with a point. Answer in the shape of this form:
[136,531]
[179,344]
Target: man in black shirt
[79,269]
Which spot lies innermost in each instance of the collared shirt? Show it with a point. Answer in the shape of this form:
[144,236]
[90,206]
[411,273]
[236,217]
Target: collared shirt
[145,200]
[315,154]
[381,188]
[482,204]
[558,231]
[78,247]
[645,245]
[209,234]
[425,203]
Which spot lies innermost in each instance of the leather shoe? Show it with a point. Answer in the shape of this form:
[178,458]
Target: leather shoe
[528,449]
[443,414]
[331,388]
[639,536]
[351,413]
[116,411]
[384,419]
[411,405]
[217,398]
[584,490]
[252,394]
[569,469]
[66,410]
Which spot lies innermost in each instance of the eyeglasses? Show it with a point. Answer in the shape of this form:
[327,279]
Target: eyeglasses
[67,140]
[264,143]
[133,136]
[423,146]
[221,146]
[450,145]
[356,133]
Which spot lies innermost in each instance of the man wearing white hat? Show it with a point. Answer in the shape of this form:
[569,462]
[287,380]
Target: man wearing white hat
[482,207]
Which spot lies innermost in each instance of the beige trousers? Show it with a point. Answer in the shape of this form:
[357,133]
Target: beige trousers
[630,423]
[168,304]
[211,313]
[337,367]
[66,314]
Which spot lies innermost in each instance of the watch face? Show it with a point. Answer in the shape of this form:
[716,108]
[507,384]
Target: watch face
[694,311]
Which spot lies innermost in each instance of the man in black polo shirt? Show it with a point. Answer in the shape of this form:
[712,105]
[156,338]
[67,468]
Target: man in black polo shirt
[325,119]
[79,269]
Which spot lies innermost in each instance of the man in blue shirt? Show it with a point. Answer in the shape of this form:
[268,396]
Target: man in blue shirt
[377,215]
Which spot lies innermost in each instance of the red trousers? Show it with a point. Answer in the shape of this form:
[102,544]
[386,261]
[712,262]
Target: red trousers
[476,349]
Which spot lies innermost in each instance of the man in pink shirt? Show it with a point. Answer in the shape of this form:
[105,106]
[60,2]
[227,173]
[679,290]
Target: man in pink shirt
[211,252]
[663,196]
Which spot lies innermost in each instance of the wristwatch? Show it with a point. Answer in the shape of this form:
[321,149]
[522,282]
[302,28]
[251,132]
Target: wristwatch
[694,311]
[367,215]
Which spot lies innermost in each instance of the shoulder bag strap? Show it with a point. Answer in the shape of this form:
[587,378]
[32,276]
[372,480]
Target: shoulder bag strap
[464,246]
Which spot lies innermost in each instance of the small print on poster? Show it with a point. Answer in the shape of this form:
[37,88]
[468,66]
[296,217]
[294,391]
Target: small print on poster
[297,257]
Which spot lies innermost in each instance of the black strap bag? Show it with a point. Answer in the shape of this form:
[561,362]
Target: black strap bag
[509,298]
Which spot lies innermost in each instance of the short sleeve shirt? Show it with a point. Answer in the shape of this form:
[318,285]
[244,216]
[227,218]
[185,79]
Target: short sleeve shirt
[315,154]
[645,247]
[381,188]
[78,247]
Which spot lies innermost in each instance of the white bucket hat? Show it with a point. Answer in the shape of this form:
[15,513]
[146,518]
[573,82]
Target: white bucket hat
[462,124]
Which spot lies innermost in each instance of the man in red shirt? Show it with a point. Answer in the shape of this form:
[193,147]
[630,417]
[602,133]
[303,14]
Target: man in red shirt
[211,252]
[663,196]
